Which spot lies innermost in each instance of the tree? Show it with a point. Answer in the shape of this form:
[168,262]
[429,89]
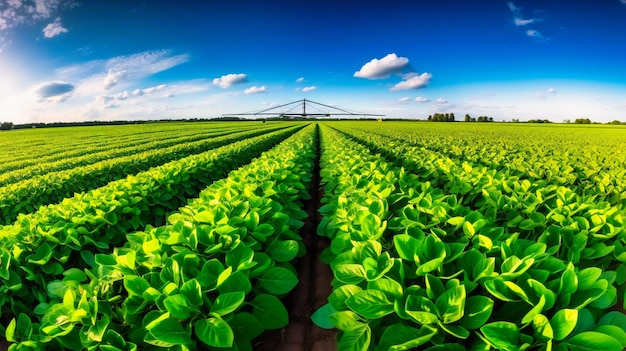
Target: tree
[467,118]
[6,126]
[451,117]
[582,121]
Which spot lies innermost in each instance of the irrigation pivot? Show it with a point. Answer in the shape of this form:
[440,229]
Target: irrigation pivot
[304,109]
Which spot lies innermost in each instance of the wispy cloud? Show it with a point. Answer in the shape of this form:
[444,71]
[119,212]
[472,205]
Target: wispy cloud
[255,90]
[422,99]
[520,21]
[382,68]
[300,80]
[523,22]
[53,29]
[552,90]
[120,72]
[441,101]
[404,99]
[228,80]
[533,33]
[307,89]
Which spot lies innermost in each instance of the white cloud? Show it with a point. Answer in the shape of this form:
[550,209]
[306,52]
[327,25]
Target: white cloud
[421,99]
[228,80]
[404,99]
[383,68]
[113,78]
[523,22]
[514,8]
[14,13]
[122,72]
[442,101]
[307,89]
[623,1]
[301,79]
[53,29]
[534,34]
[552,90]
[255,90]
[413,81]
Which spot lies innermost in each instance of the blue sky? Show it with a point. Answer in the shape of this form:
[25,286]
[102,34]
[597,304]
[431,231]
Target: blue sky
[76,60]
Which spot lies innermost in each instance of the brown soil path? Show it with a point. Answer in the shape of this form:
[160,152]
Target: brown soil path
[311,292]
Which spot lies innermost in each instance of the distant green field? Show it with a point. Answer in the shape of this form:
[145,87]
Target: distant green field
[442,236]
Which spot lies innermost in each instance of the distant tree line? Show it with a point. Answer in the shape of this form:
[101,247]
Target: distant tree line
[441,117]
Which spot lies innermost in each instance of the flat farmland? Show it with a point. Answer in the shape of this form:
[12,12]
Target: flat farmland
[316,235]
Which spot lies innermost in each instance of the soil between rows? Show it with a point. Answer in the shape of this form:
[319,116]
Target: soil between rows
[312,291]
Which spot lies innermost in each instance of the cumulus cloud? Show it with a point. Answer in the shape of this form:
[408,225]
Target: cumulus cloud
[382,68]
[307,89]
[421,99]
[228,80]
[552,90]
[14,13]
[255,90]
[404,99]
[442,101]
[53,29]
[301,79]
[413,81]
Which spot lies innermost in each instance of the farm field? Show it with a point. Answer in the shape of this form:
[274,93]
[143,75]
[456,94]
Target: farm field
[351,235]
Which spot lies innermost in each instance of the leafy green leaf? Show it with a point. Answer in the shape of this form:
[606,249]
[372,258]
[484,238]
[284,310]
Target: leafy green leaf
[135,285]
[178,306]
[321,317]
[400,336]
[370,304]
[167,332]
[451,304]
[270,311]
[228,302]
[563,323]
[356,339]
[477,311]
[214,331]
[278,280]
[503,336]
[592,340]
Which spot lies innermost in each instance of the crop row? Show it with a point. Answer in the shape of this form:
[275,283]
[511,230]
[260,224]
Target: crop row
[582,229]
[25,147]
[414,267]
[26,196]
[211,278]
[582,165]
[38,246]
[88,155]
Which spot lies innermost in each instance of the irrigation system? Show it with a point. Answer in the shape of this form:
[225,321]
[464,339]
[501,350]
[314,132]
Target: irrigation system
[303,109]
